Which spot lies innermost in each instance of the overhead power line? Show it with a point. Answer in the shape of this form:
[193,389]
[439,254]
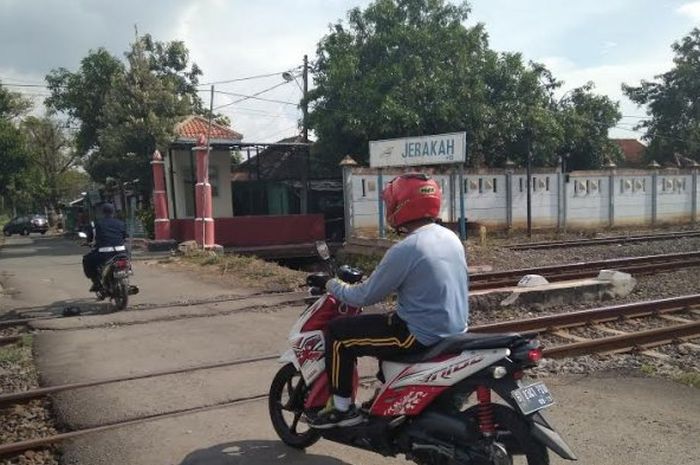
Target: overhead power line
[248,78]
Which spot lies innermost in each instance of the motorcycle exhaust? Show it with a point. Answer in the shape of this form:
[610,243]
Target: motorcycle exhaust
[440,425]
[133,290]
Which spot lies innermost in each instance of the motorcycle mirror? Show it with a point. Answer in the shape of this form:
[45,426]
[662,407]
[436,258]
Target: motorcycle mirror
[82,235]
[322,249]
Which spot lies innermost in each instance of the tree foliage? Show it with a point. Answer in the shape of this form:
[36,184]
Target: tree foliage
[81,95]
[673,102]
[411,67]
[53,156]
[125,110]
[13,159]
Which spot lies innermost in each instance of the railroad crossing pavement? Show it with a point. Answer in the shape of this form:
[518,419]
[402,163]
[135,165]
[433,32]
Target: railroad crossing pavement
[43,274]
[607,420]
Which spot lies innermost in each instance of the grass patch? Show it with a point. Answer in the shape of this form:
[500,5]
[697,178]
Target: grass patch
[19,352]
[250,269]
[647,369]
[691,378]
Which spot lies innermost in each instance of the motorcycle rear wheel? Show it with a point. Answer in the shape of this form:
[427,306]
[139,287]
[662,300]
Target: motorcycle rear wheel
[121,294]
[512,431]
[287,394]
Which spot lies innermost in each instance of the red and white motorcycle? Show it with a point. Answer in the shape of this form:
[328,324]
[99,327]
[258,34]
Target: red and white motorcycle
[435,407]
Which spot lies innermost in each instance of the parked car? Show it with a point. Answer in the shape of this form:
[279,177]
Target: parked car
[26,224]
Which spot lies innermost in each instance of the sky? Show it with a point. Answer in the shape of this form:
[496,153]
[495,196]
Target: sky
[605,41]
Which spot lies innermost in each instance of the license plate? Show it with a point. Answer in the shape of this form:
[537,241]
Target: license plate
[532,398]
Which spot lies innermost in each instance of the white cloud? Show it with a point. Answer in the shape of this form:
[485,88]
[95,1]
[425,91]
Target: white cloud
[608,80]
[691,10]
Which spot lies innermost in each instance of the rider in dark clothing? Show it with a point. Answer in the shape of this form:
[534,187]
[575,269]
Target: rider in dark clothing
[109,234]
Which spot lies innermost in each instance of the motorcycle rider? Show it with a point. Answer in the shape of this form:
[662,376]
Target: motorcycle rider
[427,269]
[109,234]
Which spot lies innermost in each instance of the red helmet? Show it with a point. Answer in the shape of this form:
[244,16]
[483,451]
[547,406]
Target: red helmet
[411,197]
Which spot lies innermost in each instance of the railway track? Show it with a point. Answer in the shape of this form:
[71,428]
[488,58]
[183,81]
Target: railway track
[622,239]
[680,329]
[477,281]
[648,264]
[280,298]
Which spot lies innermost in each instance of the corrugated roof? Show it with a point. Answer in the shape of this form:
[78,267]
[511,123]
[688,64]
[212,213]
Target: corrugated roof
[194,126]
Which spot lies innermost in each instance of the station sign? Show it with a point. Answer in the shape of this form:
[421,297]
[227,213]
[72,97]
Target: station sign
[437,149]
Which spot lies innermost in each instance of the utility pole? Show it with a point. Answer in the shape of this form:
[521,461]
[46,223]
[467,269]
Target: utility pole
[529,183]
[305,106]
[305,135]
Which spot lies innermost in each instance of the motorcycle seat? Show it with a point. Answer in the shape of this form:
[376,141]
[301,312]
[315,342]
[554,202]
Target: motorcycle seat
[458,343]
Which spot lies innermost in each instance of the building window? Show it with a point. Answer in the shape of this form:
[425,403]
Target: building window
[521,184]
[494,186]
[547,183]
[481,185]
[364,188]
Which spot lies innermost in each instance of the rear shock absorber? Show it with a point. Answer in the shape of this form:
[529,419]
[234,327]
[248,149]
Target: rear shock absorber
[484,411]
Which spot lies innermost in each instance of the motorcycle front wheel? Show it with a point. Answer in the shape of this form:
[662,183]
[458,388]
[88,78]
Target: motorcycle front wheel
[513,432]
[286,405]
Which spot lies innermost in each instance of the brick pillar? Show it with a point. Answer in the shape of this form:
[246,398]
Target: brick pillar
[203,221]
[160,202]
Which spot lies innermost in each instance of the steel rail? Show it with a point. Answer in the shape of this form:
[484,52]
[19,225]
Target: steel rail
[596,315]
[621,342]
[601,241]
[38,393]
[21,446]
[650,338]
[646,259]
[294,296]
[640,265]
[4,340]
[540,324]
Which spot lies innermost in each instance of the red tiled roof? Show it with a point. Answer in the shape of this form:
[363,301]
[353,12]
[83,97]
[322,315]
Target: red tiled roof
[194,126]
[632,149]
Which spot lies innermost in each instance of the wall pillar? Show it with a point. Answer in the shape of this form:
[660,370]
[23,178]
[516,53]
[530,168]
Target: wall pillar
[160,200]
[694,202]
[348,200]
[654,191]
[611,194]
[380,204]
[509,200]
[203,221]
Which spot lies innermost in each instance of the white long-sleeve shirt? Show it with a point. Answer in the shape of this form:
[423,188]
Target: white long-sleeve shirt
[428,270]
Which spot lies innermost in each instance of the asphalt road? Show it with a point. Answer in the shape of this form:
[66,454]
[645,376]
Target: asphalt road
[41,275]
[607,420]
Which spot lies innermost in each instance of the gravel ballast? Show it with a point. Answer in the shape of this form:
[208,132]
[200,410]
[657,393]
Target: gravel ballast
[682,362]
[23,421]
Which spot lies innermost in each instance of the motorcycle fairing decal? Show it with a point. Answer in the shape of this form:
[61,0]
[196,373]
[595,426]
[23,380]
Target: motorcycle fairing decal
[451,371]
[309,349]
[405,401]
[306,316]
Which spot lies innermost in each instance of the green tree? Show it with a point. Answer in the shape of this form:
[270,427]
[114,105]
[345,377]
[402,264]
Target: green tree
[141,110]
[53,155]
[673,103]
[585,119]
[81,95]
[13,157]
[411,67]
[126,110]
